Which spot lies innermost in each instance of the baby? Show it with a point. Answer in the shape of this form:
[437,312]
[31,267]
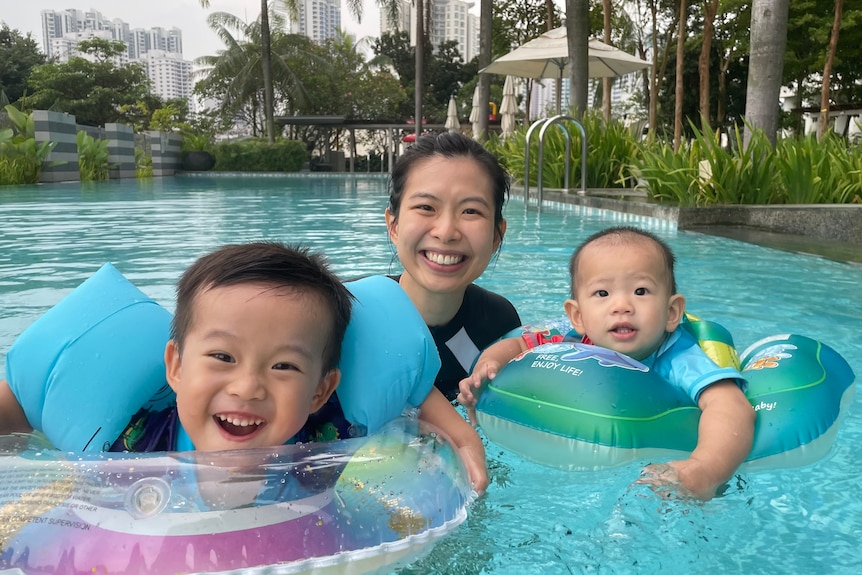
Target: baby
[624,298]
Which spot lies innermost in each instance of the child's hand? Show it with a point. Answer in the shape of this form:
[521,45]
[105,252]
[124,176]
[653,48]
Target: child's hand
[685,479]
[471,386]
[477,470]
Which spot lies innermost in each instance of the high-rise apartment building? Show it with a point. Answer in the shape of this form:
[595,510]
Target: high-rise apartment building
[450,20]
[159,49]
[169,73]
[318,19]
[544,96]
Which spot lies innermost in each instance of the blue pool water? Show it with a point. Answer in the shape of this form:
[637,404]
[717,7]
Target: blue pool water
[533,520]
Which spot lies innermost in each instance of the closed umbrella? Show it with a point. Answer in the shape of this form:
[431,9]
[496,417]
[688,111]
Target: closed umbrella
[475,113]
[548,57]
[453,124]
[508,107]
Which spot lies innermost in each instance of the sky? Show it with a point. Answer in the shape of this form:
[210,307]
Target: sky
[187,15]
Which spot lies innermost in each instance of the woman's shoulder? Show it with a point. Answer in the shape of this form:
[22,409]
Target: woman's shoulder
[478,295]
[491,305]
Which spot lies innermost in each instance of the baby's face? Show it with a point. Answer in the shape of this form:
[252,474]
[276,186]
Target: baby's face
[252,366]
[623,297]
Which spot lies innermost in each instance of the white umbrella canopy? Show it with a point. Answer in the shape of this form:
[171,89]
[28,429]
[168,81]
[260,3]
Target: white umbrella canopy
[508,108]
[548,57]
[453,124]
[475,114]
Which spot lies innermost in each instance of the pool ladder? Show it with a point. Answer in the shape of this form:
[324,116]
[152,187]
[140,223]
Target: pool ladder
[545,124]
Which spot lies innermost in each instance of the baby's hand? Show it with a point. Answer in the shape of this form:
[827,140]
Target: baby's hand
[471,386]
[679,480]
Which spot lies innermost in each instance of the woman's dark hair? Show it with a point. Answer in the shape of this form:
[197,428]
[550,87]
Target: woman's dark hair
[450,145]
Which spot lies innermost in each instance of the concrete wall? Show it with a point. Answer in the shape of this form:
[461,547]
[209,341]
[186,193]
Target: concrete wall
[121,151]
[835,222]
[831,222]
[61,165]
[166,153]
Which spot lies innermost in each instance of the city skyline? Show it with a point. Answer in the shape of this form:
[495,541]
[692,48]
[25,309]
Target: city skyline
[187,15]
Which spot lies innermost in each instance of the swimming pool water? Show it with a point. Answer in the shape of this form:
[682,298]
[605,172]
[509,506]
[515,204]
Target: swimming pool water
[533,520]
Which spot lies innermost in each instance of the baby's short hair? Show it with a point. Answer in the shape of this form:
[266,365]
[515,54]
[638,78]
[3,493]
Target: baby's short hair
[626,234]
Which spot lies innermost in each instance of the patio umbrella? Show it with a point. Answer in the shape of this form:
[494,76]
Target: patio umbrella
[453,124]
[508,107]
[475,113]
[548,57]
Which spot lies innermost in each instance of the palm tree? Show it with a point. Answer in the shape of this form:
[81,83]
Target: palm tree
[607,9]
[486,18]
[768,41]
[233,75]
[265,63]
[578,35]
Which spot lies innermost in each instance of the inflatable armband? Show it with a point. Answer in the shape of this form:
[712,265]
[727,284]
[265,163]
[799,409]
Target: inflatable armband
[82,370]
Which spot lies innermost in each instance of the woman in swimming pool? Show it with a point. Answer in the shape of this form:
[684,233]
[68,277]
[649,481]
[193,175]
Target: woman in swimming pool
[445,219]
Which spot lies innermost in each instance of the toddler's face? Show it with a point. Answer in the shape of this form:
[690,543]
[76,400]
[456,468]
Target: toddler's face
[623,297]
[251,368]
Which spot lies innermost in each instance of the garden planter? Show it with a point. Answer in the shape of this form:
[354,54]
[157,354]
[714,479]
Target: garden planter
[198,161]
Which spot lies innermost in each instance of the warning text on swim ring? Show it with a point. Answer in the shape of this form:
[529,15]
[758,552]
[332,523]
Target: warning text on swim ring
[44,497]
[551,361]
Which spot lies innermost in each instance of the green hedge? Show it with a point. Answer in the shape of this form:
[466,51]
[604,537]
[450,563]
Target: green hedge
[260,156]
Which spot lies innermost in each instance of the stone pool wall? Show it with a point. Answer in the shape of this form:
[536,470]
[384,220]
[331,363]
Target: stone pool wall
[835,222]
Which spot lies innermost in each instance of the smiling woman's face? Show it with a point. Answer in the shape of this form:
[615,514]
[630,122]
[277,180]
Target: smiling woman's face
[444,229]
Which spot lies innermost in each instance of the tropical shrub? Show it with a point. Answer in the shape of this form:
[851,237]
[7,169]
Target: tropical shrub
[818,171]
[92,157]
[703,172]
[143,163]
[21,157]
[611,148]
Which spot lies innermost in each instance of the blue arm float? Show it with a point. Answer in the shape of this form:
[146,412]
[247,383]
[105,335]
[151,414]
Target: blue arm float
[389,360]
[85,367]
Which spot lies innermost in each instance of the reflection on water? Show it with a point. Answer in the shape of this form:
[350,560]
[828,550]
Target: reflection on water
[533,520]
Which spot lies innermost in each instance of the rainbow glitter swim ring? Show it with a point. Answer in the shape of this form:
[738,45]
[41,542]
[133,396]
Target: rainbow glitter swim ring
[581,407]
[355,505]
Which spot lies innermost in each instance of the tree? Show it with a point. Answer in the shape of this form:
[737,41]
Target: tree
[18,56]
[344,84]
[768,40]
[607,13]
[578,32]
[232,76]
[827,70]
[445,71]
[486,24]
[710,10]
[266,62]
[731,42]
[420,65]
[680,87]
[94,91]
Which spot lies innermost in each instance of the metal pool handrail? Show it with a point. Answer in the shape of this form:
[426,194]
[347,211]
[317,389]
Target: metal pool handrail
[555,120]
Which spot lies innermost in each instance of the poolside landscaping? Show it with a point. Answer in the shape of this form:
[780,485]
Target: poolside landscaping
[803,194]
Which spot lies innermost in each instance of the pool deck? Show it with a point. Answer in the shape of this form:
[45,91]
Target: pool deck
[832,231]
